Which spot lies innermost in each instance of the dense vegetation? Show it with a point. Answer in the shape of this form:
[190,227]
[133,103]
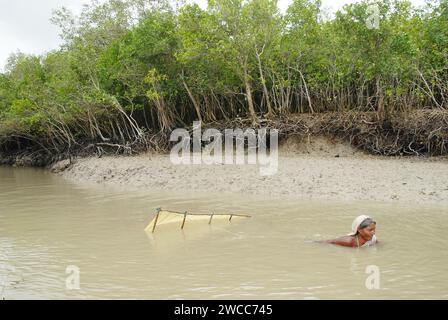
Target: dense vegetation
[130,70]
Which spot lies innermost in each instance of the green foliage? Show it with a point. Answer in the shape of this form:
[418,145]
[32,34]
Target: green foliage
[132,64]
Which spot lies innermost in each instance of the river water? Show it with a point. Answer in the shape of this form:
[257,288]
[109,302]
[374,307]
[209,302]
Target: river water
[51,228]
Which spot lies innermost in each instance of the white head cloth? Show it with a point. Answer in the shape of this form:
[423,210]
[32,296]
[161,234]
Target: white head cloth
[356,223]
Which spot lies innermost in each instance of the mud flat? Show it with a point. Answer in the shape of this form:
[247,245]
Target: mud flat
[318,169]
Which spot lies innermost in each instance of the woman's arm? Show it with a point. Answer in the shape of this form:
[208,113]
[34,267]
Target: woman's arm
[345,241]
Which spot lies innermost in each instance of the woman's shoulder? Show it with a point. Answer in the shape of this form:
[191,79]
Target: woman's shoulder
[347,241]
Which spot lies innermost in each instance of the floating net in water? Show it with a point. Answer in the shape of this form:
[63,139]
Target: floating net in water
[182,218]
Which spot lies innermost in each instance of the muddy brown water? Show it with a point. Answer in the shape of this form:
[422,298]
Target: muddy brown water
[48,224]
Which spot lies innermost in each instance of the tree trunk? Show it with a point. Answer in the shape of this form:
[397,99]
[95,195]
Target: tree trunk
[263,82]
[193,99]
[307,93]
[250,102]
[380,97]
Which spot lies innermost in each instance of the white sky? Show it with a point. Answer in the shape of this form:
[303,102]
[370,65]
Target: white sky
[25,24]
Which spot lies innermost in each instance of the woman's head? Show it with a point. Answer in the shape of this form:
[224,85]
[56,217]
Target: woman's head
[364,226]
[367,228]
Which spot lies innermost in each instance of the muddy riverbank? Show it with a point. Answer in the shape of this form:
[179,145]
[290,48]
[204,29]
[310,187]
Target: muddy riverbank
[317,170]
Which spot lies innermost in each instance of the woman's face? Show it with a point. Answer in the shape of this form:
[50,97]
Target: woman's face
[368,232]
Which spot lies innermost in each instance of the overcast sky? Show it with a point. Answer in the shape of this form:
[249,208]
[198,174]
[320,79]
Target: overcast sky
[25,24]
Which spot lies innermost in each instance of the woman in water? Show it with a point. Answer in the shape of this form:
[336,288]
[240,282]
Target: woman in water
[362,235]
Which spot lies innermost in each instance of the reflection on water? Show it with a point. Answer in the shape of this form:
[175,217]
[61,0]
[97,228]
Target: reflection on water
[47,224]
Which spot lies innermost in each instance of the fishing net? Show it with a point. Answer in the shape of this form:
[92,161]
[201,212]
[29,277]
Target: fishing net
[163,217]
